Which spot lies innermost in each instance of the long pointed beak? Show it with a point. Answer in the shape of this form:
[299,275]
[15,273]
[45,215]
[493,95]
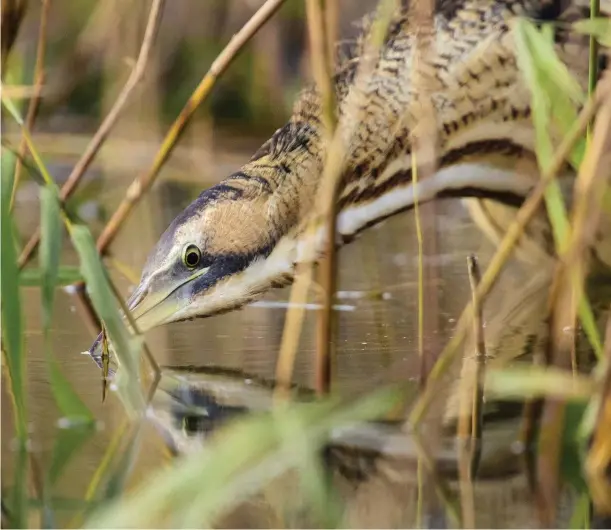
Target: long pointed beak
[96,350]
[149,309]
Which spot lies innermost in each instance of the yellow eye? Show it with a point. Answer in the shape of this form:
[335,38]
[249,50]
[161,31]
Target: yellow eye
[191,256]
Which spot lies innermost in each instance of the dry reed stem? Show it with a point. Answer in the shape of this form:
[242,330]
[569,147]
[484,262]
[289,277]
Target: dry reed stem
[109,122]
[291,333]
[331,28]
[469,428]
[503,252]
[545,473]
[598,460]
[592,181]
[441,489]
[144,181]
[39,79]
[423,137]
[323,69]
[566,292]
[333,166]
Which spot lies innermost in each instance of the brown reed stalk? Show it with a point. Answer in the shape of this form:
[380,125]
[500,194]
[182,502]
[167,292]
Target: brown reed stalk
[318,25]
[144,181]
[469,427]
[423,138]
[39,79]
[333,167]
[598,460]
[109,122]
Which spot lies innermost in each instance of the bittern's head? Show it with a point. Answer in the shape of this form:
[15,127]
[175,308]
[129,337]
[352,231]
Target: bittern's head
[212,258]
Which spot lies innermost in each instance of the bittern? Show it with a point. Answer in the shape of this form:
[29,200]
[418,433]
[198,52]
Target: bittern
[248,233]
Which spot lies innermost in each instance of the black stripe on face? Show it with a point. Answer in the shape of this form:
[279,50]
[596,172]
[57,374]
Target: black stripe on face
[224,265]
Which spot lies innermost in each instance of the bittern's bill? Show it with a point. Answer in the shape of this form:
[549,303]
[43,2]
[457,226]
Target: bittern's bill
[247,233]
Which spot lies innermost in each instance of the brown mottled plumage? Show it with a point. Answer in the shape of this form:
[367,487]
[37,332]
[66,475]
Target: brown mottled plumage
[248,230]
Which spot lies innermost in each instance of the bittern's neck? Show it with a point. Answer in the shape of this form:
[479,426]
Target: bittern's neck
[481,116]
[481,169]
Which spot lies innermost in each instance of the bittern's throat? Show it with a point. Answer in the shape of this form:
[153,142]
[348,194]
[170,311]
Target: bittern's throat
[245,235]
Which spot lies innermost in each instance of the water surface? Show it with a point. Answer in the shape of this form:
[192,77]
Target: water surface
[377,310]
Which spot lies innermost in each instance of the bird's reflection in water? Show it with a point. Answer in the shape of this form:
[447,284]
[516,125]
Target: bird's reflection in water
[372,465]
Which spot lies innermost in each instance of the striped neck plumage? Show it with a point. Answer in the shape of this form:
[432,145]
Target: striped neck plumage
[245,235]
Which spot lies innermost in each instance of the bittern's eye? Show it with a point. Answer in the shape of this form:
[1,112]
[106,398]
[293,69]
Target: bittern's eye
[191,256]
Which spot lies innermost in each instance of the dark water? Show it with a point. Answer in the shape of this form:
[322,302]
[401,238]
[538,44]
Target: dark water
[377,313]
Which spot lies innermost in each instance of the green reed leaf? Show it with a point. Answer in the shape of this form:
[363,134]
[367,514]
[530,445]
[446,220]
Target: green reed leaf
[530,62]
[50,249]
[599,28]
[573,448]
[12,343]
[581,513]
[77,421]
[66,275]
[8,162]
[590,328]
[12,326]
[541,110]
[547,62]
[126,346]
[71,437]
